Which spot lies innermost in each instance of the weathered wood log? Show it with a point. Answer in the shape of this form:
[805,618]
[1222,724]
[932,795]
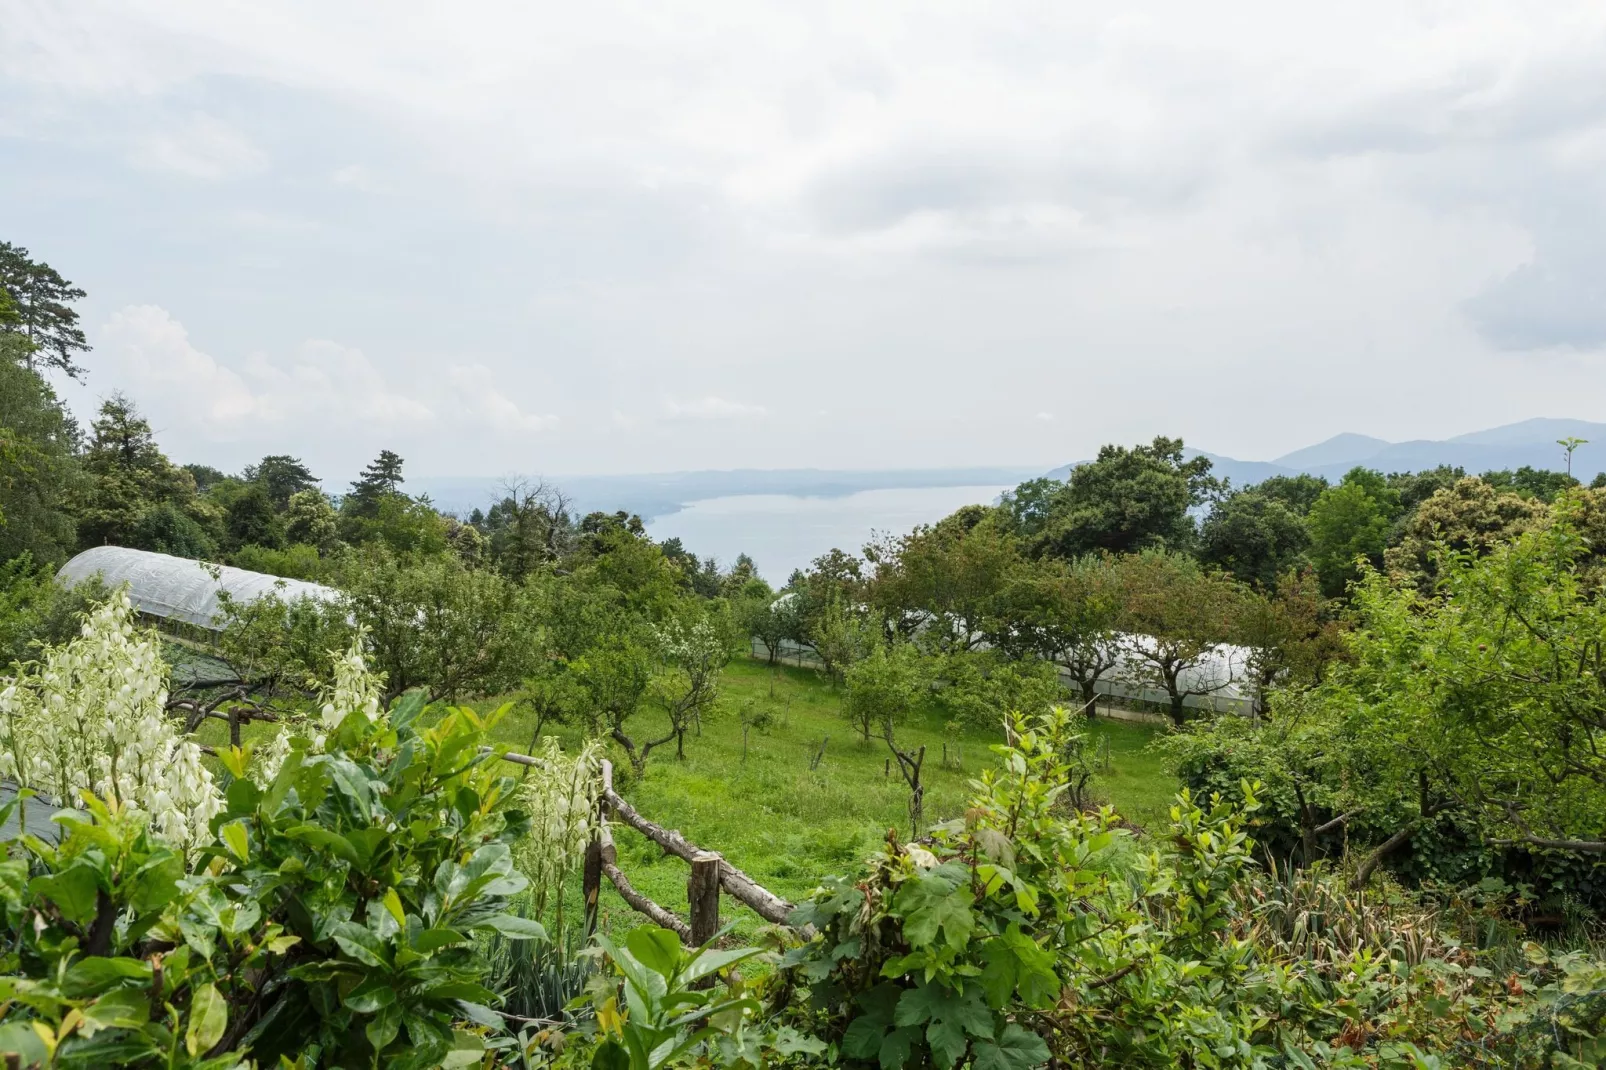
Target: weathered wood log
[516,758]
[646,906]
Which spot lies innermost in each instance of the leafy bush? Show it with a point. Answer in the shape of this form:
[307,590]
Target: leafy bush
[328,919]
[658,1006]
[37,611]
[298,561]
[1022,934]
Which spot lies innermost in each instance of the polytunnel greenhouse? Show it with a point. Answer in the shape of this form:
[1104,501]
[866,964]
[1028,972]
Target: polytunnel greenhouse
[182,591]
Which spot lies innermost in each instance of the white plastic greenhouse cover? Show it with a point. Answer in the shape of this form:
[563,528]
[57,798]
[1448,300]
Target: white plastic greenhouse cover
[179,588]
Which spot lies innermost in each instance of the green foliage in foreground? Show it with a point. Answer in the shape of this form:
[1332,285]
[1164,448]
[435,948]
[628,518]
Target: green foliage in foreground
[329,922]
[1025,933]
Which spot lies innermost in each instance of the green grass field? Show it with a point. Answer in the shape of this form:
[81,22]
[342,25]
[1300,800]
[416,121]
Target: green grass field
[788,825]
[772,815]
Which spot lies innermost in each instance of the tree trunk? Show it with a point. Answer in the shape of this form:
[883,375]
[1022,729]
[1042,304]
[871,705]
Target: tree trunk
[1307,831]
[1090,695]
[1393,843]
[1179,712]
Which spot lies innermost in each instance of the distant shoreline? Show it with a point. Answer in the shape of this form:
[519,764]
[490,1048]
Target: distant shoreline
[654,496]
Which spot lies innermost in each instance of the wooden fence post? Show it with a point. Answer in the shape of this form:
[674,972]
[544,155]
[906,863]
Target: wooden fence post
[702,893]
[591,882]
[597,851]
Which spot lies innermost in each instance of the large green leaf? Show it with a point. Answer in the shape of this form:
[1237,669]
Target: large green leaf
[515,927]
[322,838]
[895,1047]
[1015,963]
[72,890]
[934,1002]
[209,1017]
[88,976]
[951,1016]
[376,992]
[121,1008]
[937,902]
[709,962]
[1015,1049]
[863,1038]
[655,948]
[360,943]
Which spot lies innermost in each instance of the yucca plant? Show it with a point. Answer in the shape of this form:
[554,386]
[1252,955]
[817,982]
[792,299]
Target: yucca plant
[560,795]
[1308,914]
[537,980]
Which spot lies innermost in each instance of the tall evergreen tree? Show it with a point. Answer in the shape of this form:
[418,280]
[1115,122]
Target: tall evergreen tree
[38,468]
[381,478]
[42,301]
[280,476]
[128,475]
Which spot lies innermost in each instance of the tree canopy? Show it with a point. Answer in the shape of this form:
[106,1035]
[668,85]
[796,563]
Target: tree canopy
[1128,499]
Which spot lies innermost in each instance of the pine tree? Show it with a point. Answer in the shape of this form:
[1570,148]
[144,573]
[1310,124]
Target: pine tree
[281,475]
[42,301]
[381,478]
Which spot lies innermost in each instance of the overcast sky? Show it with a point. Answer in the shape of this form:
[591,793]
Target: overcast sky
[605,237]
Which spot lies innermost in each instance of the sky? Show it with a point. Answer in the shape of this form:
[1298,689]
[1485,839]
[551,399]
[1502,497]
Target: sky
[632,237]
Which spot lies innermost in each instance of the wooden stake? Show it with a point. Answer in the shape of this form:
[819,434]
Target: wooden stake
[591,883]
[702,892]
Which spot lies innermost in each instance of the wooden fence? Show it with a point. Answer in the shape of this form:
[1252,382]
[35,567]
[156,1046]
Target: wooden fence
[710,874]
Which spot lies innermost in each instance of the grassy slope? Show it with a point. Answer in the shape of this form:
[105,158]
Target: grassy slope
[787,825]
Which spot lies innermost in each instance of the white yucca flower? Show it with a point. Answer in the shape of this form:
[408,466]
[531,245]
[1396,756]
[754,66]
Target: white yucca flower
[560,796]
[355,688]
[92,715]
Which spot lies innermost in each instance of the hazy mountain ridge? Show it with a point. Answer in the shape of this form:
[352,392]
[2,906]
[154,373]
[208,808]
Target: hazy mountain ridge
[1529,442]
[1510,446]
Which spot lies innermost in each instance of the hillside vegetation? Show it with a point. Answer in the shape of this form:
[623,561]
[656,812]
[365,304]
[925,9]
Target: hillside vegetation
[1394,857]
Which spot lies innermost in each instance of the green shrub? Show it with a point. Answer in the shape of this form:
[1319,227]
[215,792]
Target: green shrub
[1023,934]
[37,611]
[329,922]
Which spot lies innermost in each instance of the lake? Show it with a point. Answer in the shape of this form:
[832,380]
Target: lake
[781,532]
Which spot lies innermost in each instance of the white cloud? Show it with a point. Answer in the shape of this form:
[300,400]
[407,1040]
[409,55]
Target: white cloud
[199,146]
[712,408]
[150,353]
[901,213]
[1046,417]
[355,176]
[322,389]
[483,400]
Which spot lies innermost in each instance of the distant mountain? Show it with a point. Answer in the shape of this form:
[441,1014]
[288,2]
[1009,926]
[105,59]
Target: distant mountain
[660,494]
[1347,448]
[1539,429]
[1531,442]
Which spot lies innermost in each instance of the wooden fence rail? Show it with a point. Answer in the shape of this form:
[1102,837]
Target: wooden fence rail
[710,873]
